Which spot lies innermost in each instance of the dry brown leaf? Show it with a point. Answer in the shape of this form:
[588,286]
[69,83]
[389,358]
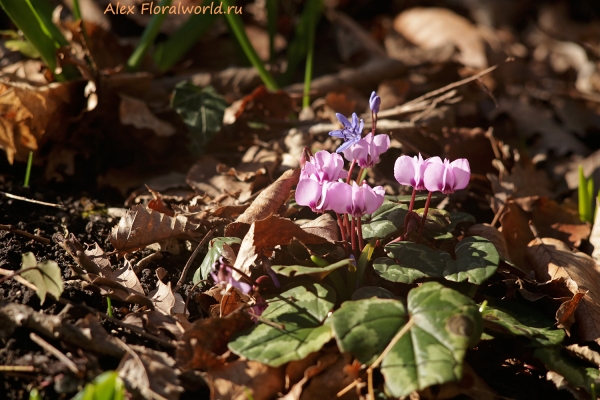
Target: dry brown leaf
[328,382]
[516,232]
[151,373]
[155,322]
[559,221]
[135,112]
[552,259]
[164,299]
[432,28]
[270,199]
[142,226]
[158,203]
[97,255]
[584,353]
[28,113]
[204,179]
[201,346]
[265,235]
[493,235]
[262,103]
[128,278]
[238,379]
[324,226]
[565,315]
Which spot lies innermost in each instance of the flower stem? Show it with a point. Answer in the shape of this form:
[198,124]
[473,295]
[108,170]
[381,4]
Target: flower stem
[361,242]
[353,230]
[374,122]
[350,171]
[359,177]
[412,200]
[342,228]
[422,228]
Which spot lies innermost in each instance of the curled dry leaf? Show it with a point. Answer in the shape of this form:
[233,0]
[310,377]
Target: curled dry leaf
[201,346]
[135,112]
[164,299]
[241,379]
[552,259]
[155,322]
[324,226]
[270,199]
[565,315]
[128,278]
[432,28]
[265,235]
[516,232]
[142,226]
[29,113]
[151,373]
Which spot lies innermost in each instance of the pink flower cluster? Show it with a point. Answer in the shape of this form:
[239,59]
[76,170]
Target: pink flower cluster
[322,188]
[432,174]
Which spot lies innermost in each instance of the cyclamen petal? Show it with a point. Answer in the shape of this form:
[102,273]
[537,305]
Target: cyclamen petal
[367,151]
[337,196]
[355,200]
[308,193]
[447,177]
[410,171]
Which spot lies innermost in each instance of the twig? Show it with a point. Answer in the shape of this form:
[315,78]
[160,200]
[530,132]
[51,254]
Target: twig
[12,229]
[189,262]
[17,368]
[18,278]
[43,203]
[55,352]
[12,274]
[133,328]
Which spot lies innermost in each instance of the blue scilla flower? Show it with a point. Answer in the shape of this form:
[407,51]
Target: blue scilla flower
[351,132]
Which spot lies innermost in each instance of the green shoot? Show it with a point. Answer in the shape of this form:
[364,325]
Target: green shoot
[169,52]
[272,8]
[76,10]
[107,385]
[310,45]
[34,394]
[34,19]
[593,390]
[355,278]
[237,27]
[109,307]
[586,197]
[147,39]
[28,169]
[298,47]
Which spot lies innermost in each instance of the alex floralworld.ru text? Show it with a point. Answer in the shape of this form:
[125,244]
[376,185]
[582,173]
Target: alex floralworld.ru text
[150,8]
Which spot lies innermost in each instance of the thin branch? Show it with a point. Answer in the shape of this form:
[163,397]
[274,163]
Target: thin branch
[55,352]
[12,229]
[43,203]
[189,262]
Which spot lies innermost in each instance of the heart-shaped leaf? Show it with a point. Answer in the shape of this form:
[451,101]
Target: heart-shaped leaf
[294,328]
[476,260]
[520,319]
[388,219]
[445,324]
[215,249]
[46,276]
[298,270]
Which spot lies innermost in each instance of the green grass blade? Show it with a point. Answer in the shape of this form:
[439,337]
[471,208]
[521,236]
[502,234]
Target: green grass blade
[590,199]
[28,169]
[147,39]
[582,195]
[272,10]
[76,10]
[237,27]
[170,51]
[312,24]
[298,47]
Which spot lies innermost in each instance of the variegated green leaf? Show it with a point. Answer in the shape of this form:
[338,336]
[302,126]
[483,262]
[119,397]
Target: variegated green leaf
[512,318]
[476,260]
[298,270]
[294,329]
[388,219]
[446,324]
[215,249]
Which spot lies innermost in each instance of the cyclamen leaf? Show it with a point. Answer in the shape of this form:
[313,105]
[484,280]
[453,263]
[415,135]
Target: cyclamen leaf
[521,320]
[295,329]
[298,270]
[215,250]
[446,324]
[476,260]
[389,218]
[46,276]
[202,112]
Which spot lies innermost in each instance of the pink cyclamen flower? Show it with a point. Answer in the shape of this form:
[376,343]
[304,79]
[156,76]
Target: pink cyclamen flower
[222,274]
[367,150]
[324,166]
[447,177]
[354,200]
[410,171]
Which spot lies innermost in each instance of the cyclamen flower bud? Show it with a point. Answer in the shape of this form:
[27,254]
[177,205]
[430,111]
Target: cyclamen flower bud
[367,150]
[410,171]
[221,273]
[447,177]
[374,102]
